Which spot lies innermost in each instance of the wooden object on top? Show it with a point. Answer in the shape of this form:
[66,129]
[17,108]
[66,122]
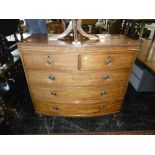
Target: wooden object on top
[85,80]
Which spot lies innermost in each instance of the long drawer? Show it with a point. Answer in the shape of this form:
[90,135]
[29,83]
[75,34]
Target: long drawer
[106,61]
[47,61]
[90,94]
[77,109]
[80,78]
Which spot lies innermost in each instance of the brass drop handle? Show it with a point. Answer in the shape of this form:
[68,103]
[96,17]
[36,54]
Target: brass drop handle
[101,108]
[106,77]
[103,94]
[108,61]
[55,107]
[49,61]
[53,93]
[51,77]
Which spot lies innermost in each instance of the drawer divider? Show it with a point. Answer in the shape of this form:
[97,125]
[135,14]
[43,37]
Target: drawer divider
[79,61]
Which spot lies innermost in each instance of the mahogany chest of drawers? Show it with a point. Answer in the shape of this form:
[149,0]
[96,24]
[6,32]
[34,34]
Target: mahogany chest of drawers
[86,80]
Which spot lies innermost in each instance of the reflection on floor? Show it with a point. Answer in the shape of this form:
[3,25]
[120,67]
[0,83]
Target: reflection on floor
[138,113]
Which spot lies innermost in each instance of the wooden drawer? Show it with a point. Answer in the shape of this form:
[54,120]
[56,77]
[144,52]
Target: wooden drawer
[106,61]
[80,78]
[90,94]
[47,61]
[77,109]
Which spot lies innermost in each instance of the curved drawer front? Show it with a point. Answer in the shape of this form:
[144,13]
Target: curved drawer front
[77,109]
[78,94]
[50,78]
[109,61]
[47,61]
[81,78]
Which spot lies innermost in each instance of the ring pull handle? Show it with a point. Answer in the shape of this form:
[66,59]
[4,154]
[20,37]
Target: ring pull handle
[108,61]
[49,61]
[51,77]
[55,108]
[106,77]
[103,94]
[101,108]
[53,93]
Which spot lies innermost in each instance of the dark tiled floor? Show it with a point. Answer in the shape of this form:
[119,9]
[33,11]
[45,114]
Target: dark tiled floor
[138,113]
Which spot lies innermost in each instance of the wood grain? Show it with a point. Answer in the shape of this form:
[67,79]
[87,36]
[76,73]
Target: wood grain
[42,78]
[39,61]
[91,94]
[58,109]
[107,41]
[102,61]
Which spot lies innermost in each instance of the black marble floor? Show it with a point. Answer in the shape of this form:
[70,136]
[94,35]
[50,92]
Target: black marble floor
[138,113]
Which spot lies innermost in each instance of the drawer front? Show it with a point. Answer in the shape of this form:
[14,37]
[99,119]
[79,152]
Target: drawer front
[80,78]
[52,78]
[106,61]
[77,109]
[47,61]
[78,94]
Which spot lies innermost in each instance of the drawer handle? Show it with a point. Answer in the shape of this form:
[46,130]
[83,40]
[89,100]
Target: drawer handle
[108,61]
[51,77]
[49,61]
[55,107]
[106,77]
[53,93]
[103,94]
[101,108]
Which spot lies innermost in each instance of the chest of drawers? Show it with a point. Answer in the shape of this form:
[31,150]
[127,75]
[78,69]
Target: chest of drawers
[86,80]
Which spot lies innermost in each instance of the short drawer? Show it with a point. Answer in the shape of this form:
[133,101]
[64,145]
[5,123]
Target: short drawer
[80,78]
[48,61]
[106,61]
[85,94]
[77,109]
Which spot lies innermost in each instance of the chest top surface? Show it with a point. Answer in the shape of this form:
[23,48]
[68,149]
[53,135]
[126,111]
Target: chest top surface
[105,40]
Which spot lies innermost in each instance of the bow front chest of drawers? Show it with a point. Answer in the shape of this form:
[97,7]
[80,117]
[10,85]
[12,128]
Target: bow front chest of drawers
[85,80]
